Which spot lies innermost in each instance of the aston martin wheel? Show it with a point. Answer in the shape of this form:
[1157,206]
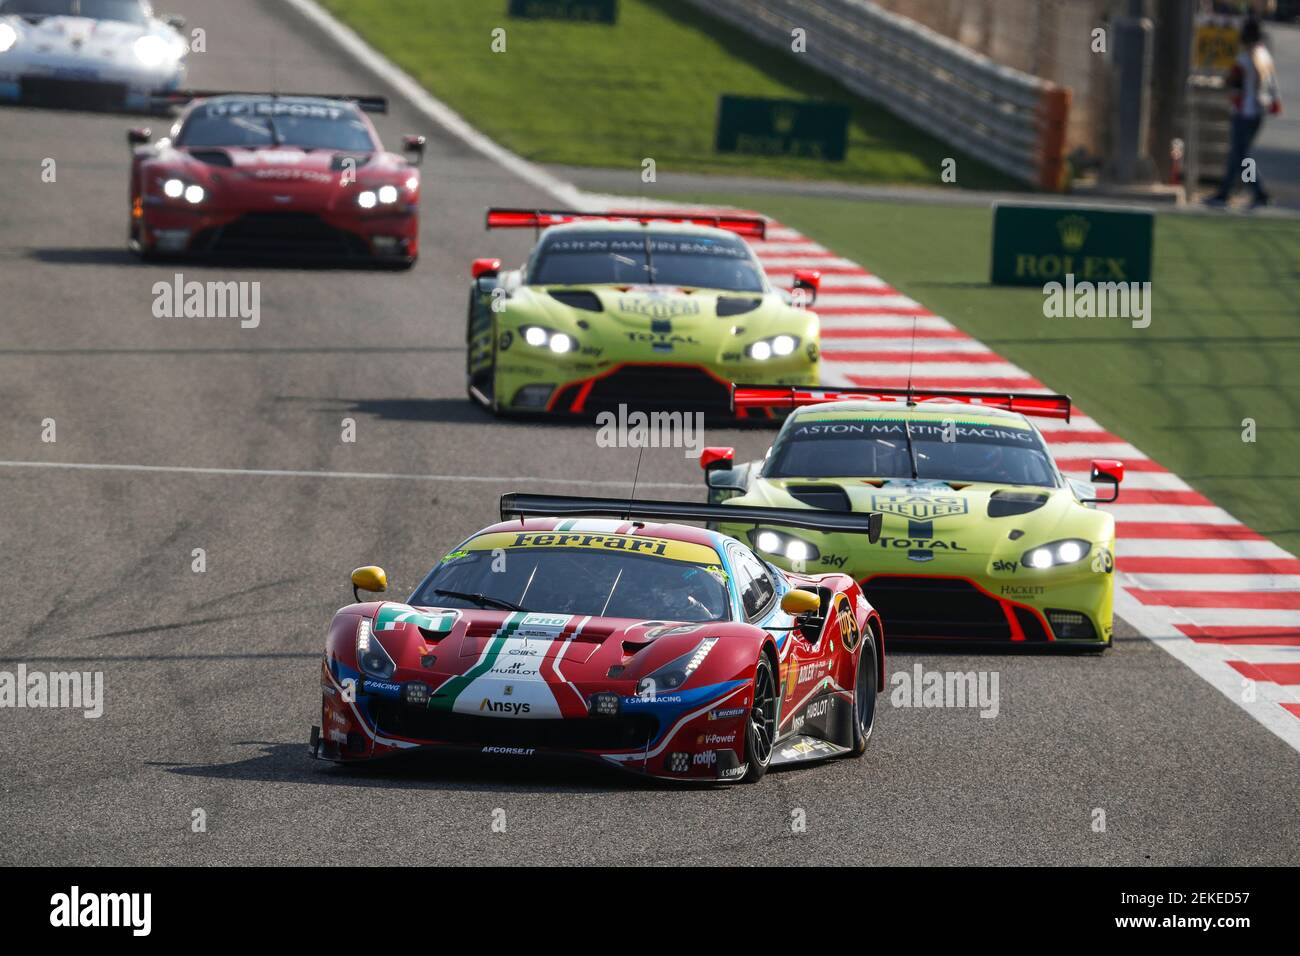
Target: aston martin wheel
[864,697]
[760,733]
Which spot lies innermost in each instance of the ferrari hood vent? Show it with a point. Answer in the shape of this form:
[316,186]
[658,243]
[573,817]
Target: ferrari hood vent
[829,497]
[1004,504]
[213,157]
[730,305]
[578,299]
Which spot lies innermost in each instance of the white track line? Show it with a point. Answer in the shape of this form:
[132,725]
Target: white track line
[361,475]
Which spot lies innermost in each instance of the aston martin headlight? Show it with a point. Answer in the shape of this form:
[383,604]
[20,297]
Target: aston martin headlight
[151,50]
[371,656]
[540,338]
[676,672]
[8,37]
[777,345]
[784,545]
[1069,551]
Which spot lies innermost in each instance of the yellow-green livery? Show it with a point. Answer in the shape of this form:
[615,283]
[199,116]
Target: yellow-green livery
[659,311]
[983,539]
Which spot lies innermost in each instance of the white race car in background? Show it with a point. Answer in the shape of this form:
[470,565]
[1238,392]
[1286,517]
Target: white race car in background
[93,54]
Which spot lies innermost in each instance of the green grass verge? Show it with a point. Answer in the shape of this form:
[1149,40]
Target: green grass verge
[594,95]
[1223,344]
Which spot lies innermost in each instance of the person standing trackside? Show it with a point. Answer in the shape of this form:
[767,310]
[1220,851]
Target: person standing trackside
[1253,81]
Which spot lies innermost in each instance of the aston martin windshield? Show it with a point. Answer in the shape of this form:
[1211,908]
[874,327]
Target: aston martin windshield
[950,451]
[128,11]
[644,258]
[265,123]
[582,573]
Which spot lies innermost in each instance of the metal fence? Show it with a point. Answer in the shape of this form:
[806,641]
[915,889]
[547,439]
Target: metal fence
[1013,121]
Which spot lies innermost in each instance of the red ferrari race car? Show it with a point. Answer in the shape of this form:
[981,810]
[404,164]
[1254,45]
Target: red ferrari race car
[577,628]
[254,175]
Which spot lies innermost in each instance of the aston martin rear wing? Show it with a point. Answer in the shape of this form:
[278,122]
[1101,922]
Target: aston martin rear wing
[748,226]
[367,104]
[575,506]
[795,396]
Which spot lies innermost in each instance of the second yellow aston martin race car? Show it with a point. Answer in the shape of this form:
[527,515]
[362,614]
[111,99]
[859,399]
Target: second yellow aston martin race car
[655,311]
[983,539]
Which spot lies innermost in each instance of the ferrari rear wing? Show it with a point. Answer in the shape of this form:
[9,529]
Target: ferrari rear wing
[747,226]
[522,506]
[796,396]
[367,104]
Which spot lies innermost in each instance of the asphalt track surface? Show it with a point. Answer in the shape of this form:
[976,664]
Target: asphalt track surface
[212,678]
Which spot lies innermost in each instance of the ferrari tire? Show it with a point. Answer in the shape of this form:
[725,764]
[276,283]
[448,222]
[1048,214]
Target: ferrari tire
[760,730]
[864,697]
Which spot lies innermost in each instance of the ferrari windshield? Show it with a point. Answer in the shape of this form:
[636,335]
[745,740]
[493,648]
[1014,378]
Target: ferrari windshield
[641,257]
[255,123]
[947,450]
[128,11]
[607,575]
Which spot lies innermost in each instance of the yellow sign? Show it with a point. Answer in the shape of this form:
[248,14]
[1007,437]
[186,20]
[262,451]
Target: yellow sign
[625,543]
[1215,46]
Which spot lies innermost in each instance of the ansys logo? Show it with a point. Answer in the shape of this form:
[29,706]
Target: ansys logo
[1073,231]
[920,507]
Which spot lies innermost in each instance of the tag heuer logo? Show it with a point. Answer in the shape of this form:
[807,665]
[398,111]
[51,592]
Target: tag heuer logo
[1073,231]
[919,507]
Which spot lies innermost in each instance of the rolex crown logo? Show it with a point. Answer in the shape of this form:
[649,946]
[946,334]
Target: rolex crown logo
[783,117]
[1073,231]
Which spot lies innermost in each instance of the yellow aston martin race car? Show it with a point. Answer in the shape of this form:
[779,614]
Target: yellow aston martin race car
[648,310]
[983,539]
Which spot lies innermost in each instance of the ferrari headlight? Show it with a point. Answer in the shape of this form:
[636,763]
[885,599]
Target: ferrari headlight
[371,656]
[784,545]
[194,195]
[151,50]
[173,189]
[676,672]
[8,37]
[776,345]
[387,195]
[367,199]
[1069,551]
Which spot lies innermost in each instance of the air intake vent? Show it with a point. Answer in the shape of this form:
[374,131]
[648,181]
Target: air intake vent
[1004,504]
[213,157]
[732,306]
[827,497]
[578,299]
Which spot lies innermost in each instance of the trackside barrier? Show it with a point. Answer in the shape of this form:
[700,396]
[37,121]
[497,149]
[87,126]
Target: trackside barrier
[1013,121]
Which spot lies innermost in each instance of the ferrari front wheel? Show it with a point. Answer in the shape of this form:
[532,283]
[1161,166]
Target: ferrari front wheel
[760,731]
[864,698]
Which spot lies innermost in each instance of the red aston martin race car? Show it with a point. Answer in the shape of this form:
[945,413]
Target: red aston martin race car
[251,175]
[577,628]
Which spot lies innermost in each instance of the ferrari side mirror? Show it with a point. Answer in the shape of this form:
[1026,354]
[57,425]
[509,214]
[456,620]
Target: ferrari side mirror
[414,146]
[798,602]
[369,578]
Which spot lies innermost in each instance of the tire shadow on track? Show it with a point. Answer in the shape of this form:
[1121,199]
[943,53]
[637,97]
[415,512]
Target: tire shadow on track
[291,763]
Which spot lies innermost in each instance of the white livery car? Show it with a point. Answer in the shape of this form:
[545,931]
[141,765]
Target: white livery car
[88,54]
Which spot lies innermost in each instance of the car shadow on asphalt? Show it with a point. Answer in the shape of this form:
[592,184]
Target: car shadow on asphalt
[292,763]
[122,256]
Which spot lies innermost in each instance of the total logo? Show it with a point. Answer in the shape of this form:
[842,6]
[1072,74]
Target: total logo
[705,758]
[706,740]
[512,707]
